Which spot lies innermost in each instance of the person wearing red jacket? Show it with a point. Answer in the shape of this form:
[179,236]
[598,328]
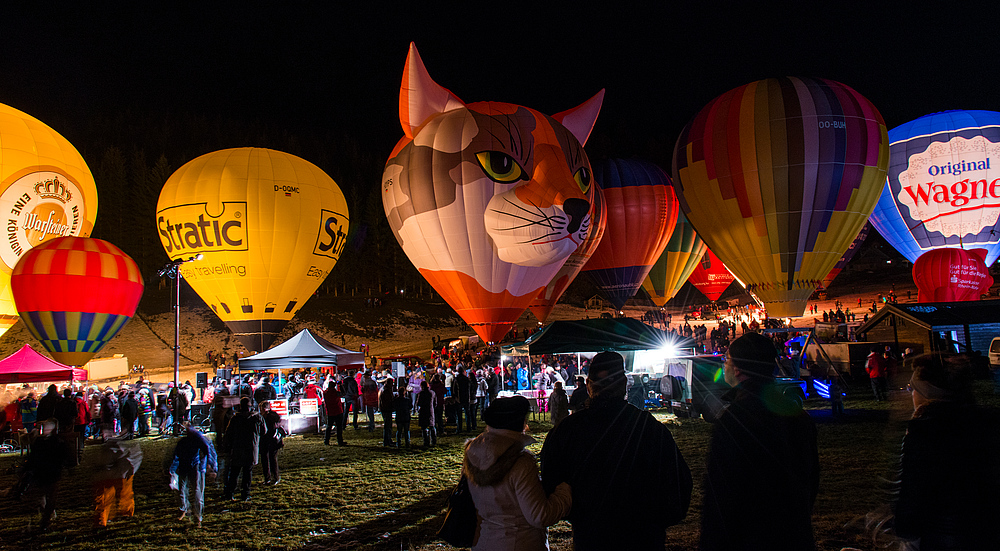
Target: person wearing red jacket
[334,412]
[877,366]
[80,423]
[369,396]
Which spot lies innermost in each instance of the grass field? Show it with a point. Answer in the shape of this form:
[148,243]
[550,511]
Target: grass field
[366,497]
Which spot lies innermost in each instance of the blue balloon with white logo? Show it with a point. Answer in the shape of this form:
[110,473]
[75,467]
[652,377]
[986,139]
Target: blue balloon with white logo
[943,185]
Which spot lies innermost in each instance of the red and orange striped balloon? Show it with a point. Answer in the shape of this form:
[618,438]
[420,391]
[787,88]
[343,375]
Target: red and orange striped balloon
[778,176]
[75,294]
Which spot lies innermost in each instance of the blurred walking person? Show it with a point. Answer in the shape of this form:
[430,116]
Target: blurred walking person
[194,459]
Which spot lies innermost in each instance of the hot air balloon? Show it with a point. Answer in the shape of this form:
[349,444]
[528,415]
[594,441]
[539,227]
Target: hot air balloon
[270,225]
[642,213]
[74,294]
[711,277]
[46,191]
[951,275]
[848,255]
[778,176]
[943,186]
[669,273]
[487,199]
[547,298]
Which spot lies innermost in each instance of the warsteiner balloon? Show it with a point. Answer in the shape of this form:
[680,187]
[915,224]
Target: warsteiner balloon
[270,225]
[75,294]
[943,186]
[778,176]
[487,199]
[46,191]
[711,277]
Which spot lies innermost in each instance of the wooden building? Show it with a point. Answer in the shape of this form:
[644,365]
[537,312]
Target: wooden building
[935,326]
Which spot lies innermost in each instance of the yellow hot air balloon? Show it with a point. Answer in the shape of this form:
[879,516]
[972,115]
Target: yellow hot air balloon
[270,225]
[46,191]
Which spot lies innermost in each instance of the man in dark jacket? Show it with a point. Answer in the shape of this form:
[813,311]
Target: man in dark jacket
[243,444]
[762,467]
[460,390]
[628,478]
[352,398]
[47,403]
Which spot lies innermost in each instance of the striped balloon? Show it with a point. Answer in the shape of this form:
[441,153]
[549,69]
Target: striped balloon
[778,176]
[852,249]
[75,294]
[642,213]
[675,265]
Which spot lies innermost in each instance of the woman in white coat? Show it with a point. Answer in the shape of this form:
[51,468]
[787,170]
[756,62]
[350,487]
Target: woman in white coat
[503,480]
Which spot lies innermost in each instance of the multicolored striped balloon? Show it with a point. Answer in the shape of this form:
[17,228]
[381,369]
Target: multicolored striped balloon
[778,176]
[75,294]
[852,249]
[943,186]
[675,265]
[642,213]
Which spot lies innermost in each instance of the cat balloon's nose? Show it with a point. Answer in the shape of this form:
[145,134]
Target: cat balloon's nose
[577,210]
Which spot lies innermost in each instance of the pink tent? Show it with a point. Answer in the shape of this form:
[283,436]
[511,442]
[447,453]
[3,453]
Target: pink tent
[28,366]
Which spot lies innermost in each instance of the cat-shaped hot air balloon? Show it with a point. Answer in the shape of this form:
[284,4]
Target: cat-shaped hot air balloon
[487,199]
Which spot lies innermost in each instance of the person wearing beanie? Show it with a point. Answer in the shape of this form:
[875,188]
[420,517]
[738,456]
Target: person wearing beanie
[504,483]
[762,471]
[242,443]
[948,488]
[628,479]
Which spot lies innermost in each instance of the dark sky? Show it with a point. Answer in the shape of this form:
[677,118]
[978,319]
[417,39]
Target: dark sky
[317,67]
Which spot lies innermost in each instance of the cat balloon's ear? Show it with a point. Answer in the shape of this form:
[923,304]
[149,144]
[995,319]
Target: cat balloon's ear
[580,119]
[419,96]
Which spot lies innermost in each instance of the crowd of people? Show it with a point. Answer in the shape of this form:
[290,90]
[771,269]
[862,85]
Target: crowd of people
[607,466]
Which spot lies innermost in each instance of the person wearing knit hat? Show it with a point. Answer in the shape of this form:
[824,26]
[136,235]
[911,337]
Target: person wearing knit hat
[628,479]
[762,472]
[503,481]
[948,488]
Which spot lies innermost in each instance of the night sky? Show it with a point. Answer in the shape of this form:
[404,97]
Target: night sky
[313,69]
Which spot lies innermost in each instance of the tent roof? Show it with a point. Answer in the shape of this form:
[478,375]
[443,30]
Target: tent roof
[303,350]
[593,335]
[28,366]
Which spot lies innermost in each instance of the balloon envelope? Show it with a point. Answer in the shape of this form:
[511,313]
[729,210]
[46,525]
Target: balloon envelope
[778,176]
[46,191]
[848,255]
[951,275]
[487,199]
[547,298]
[75,294]
[673,268]
[711,277]
[943,186]
[642,213]
[270,225]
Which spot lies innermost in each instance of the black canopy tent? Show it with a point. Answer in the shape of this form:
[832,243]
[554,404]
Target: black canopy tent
[304,350]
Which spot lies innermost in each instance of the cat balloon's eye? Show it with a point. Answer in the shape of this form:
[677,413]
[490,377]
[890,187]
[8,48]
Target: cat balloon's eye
[500,167]
[583,179]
